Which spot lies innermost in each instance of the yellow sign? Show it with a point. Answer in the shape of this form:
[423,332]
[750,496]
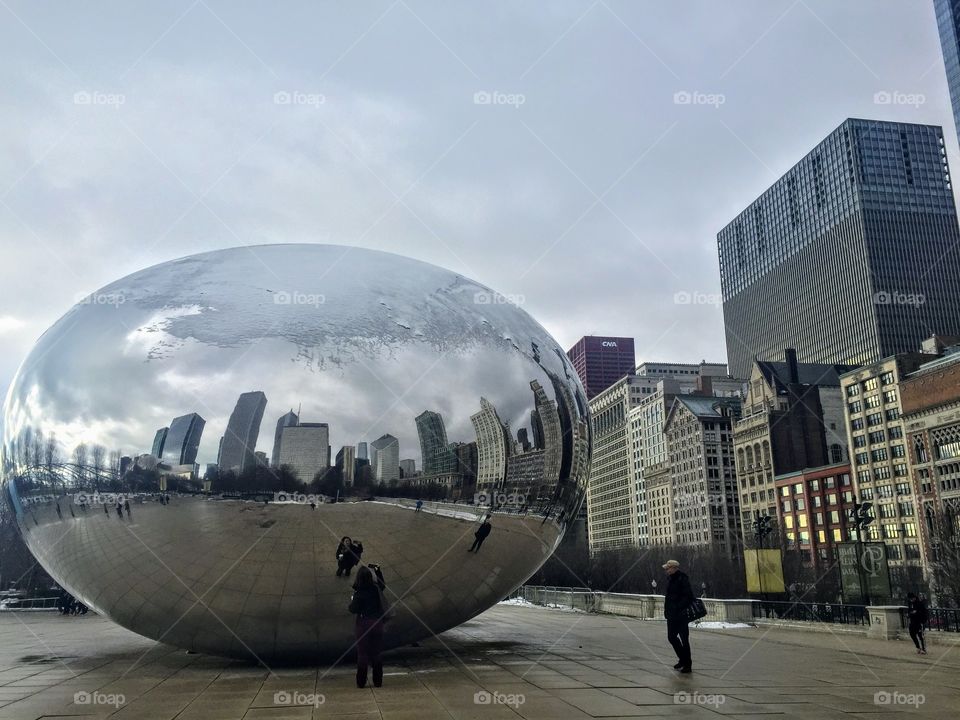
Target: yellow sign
[764,571]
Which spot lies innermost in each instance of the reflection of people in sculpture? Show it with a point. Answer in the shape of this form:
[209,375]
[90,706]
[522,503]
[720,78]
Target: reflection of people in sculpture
[480,535]
[341,553]
[370,607]
[348,555]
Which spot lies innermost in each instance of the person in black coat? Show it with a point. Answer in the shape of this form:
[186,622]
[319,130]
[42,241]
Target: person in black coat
[918,616]
[480,535]
[353,555]
[368,605]
[677,598]
[341,555]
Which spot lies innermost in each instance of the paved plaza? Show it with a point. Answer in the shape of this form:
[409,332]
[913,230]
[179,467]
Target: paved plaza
[510,662]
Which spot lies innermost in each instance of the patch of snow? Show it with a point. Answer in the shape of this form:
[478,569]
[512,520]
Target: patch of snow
[719,625]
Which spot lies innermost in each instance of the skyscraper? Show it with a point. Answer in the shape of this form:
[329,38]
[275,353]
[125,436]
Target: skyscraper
[438,458]
[602,361]
[305,449]
[850,256]
[536,427]
[287,420]
[243,429]
[347,464]
[183,440]
[948,21]
[549,420]
[492,443]
[158,440]
[386,459]
[362,453]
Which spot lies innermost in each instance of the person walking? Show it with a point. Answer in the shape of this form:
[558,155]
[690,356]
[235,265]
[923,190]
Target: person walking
[677,598]
[419,504]
[369,606]
[480,535]
[343,562]
[918,616]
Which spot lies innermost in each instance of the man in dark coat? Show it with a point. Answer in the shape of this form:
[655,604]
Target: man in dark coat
[480,535]
[677,598]
[918,616]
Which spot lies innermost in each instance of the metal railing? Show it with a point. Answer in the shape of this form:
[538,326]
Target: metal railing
[47,603]
[572,598]
[811,612]
[938,619]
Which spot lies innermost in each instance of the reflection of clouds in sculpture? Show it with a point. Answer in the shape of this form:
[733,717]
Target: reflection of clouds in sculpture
[191,338]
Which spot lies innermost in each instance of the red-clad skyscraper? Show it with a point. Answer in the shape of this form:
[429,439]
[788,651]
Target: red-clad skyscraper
[601,361]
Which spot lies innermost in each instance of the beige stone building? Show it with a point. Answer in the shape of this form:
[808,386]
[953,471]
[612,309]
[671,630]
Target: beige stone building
[792,419]
[930,401]
[879,460]
[660,505]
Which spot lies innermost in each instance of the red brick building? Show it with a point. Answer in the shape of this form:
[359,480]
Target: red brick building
[813,508]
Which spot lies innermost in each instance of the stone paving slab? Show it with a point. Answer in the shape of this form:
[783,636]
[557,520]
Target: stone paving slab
[511,662]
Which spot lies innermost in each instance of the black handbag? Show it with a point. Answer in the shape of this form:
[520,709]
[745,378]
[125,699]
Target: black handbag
[695,610]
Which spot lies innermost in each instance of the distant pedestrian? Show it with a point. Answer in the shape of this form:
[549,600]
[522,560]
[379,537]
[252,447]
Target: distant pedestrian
[419,505]
[918,617]
[480,535]
[126,506]
[369,606]
[677,598]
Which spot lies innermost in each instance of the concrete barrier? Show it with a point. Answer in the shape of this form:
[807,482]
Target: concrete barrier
[885,621]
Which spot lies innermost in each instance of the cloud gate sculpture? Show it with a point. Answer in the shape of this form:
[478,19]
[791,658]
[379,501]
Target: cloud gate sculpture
[204,450]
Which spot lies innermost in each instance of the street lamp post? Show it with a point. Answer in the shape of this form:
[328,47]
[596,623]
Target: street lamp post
[860,517]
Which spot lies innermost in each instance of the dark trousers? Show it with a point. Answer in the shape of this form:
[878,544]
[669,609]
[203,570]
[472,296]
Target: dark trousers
[369,634]
[678,632]
[916,634]
[476,544]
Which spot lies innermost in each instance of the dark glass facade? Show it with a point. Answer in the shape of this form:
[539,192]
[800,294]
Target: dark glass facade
[183,440]
[851,256]
[158,440]
[601,361]
[948,14]
[243,429]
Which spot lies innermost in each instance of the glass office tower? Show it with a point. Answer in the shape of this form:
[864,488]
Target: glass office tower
[851,256]
[948,15]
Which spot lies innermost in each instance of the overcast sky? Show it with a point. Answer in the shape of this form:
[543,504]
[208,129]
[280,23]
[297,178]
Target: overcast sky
[579,156]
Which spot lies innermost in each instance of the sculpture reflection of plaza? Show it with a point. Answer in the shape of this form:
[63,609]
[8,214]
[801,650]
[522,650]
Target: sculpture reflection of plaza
[494,427]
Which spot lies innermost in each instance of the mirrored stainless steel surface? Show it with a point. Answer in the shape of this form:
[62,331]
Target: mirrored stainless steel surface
[186,449]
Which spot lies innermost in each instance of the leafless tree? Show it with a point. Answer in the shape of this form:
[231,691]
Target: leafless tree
[80,457]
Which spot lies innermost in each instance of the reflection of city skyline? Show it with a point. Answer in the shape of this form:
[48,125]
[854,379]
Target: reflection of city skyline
[532,459]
